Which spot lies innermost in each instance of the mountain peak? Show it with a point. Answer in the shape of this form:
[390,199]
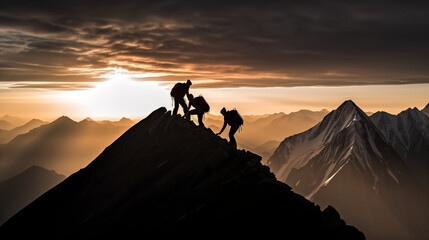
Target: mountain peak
[412,109]
[412,112]
[165,174]
[425,110]
[126,120]
[349,102]
[35,121]
[63,120]
[88,119]
[348,105]
[348,122]
[38,169]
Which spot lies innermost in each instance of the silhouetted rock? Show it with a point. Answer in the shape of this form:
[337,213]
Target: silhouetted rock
[331,217]
[167,176]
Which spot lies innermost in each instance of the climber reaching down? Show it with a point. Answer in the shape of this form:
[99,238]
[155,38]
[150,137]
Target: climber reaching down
[234,120]
[200,107]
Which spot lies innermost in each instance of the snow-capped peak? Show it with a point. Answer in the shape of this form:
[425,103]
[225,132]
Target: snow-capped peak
[346,136]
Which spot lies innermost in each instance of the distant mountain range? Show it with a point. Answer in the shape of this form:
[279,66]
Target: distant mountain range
[346,161]
[261,133]
[63,145]
[7,135]
[23,188]
[166,176]
[8,122]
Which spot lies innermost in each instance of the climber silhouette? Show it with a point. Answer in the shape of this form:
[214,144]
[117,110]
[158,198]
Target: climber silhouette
[233,119]
[200,107]
[178,92]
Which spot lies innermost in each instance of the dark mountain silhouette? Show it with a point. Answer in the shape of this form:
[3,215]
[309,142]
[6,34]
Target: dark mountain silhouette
[425,110]
[408,133]
[23,188]
[346,162]
[63,145]
[6,136]
[166,175]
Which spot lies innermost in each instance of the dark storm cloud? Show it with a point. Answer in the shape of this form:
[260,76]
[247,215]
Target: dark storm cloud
[230,43]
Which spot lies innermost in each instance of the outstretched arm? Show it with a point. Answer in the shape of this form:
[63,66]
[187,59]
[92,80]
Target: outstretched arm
[190,105]
[187,92]
[223,128]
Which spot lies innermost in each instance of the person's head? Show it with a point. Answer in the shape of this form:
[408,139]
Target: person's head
[189,83]
[223,111]
[191,97]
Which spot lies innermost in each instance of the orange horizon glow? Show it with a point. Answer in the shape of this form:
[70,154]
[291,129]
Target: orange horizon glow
[124,95]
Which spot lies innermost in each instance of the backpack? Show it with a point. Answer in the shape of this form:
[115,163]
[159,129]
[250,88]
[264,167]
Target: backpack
[235,118]
[201,104]
[176,89]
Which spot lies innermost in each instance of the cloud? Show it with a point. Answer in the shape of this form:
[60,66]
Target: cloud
[219,43]
[54,86]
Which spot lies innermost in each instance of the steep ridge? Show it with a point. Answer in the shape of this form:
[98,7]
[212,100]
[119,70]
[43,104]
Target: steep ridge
[408,133]
[165,175]
[425,110]
[346,161]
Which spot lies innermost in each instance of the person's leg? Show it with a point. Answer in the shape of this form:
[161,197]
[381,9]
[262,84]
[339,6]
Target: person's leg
[184,106]
[200,119]
[231,135]
[192,112]
[176,106]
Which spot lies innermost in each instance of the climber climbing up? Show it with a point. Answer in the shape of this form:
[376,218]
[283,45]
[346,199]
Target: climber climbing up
[233,119]
[200,107]
[178,92]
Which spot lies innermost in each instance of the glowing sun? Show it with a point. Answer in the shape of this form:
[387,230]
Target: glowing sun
[122,96]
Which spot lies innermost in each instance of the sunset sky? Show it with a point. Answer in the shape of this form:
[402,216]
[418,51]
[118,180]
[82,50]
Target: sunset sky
[108,59]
